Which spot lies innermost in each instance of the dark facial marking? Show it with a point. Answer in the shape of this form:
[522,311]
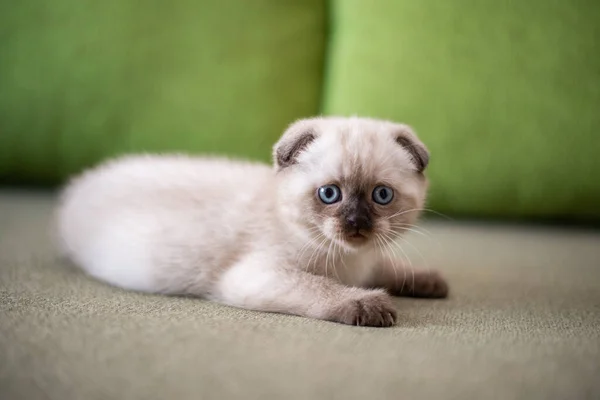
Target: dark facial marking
[418,153]
[288,151]
[356,213]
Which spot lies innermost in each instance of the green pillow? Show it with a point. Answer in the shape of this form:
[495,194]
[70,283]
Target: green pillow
[81,80]
[505,94]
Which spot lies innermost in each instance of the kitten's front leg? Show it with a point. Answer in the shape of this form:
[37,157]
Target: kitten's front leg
[256,283]
[399,280]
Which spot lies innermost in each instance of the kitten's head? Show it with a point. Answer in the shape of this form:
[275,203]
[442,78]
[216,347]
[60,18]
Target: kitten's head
[353,180]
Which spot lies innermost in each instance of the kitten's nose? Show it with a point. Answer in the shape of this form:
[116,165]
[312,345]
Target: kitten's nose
[358,222]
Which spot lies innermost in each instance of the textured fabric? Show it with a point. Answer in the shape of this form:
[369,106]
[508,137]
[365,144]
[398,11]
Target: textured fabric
[523,322]
[505,94]
[81,80]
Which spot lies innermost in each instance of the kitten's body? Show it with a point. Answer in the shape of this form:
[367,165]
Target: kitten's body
[247,235]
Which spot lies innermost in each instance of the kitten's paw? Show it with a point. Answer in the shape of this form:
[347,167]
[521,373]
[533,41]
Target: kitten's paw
[429,285]
[371,309]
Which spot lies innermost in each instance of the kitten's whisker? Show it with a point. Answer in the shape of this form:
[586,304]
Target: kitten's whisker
[399,213]
[310,242]
[422,209]
[419,229]
[392,263]
[342,255]
[449,218]
[314,227]
[308,245]
[379,246]
[390,241]
[327,256]
[410,229]
[335,245]
[413,228]
[402,258]
[316,252]
[425,264]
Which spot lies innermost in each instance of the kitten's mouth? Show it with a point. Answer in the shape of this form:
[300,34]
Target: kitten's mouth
[356,237]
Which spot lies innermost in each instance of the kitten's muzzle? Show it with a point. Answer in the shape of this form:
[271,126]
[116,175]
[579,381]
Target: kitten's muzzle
[355,218]
[357,225]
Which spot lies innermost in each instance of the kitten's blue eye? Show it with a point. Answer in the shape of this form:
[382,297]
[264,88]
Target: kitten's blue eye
[330,194]
[383,195]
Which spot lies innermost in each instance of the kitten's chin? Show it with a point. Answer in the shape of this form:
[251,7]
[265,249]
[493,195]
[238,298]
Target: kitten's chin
[354,242]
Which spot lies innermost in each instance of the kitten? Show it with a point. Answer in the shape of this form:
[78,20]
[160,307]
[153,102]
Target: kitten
[303,238]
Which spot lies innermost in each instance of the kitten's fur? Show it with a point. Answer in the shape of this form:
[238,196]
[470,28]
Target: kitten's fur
[256,237]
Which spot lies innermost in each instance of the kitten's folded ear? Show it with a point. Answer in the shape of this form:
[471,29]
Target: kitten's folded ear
[294,140]
[407,138]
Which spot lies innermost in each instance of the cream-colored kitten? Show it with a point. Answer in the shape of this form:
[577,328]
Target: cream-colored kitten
[301,238]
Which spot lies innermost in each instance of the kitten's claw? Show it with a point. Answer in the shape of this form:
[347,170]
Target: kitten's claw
[429,285]
[372,309]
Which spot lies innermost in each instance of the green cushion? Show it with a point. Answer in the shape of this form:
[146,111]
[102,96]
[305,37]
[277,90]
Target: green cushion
[81,80]
[505,94]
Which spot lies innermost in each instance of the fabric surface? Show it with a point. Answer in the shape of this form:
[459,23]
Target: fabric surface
[505,94]
[81,80]
[523,322]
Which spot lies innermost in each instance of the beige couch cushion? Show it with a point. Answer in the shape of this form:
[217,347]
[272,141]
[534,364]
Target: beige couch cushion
[523,322]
